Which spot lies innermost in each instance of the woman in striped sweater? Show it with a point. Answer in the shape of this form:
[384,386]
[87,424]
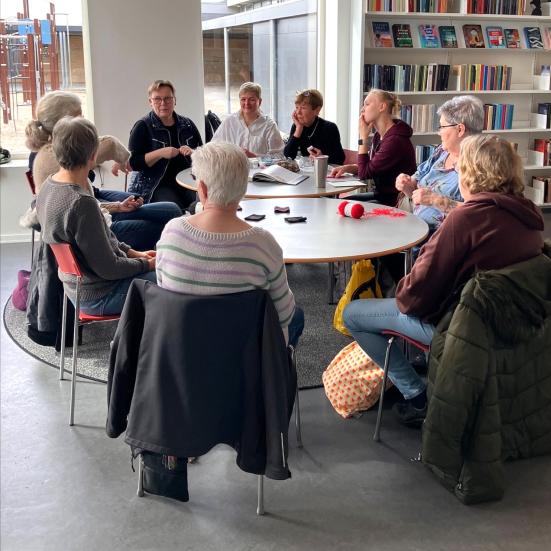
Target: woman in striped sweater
[215,252]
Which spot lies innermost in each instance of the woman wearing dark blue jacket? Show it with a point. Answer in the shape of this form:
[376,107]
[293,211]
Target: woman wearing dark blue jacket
[160,146]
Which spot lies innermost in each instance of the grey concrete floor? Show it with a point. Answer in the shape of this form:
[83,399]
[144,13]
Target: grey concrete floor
[68,488]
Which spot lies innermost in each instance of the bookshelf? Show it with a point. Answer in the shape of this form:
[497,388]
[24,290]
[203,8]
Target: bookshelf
[527,89]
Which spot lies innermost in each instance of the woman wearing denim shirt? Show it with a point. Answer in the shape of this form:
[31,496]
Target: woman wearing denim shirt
[434,188]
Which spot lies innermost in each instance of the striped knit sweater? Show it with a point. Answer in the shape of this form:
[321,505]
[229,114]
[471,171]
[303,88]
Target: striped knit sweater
[193,261]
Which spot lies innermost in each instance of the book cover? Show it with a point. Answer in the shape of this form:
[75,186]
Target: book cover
[402,35]
[381,34]
[277,174]
[428,35]
[512,38]
[473,36]
[448,38]
[533,38]
[547,36]
[495,37]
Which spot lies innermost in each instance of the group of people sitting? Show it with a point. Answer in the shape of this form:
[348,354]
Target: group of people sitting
[469,192]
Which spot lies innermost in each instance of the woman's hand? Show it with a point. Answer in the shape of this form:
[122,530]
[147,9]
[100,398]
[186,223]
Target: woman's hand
[125,168]
[249,154]
[340,171]
[130,204]
[185,150]
[314,152]
[168,152]
[422,196]
[364,129]
[298,125]
[150,256]
[406,184]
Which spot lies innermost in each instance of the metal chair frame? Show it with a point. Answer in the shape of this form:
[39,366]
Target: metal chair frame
[68,264]
[392,336]
[260,478]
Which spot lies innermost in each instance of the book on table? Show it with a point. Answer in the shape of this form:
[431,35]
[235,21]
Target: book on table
[345,181]
[277,175]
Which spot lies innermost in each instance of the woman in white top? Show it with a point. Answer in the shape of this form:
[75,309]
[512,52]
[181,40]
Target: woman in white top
[255,133]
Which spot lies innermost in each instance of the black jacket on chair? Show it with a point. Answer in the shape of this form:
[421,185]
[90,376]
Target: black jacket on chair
[188,372]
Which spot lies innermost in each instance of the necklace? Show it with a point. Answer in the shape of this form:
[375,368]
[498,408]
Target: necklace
[313,131]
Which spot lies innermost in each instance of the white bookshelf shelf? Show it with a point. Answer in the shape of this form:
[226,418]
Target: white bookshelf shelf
[537,167]
[507,131]
[541,19]
[474,92]
[513,51]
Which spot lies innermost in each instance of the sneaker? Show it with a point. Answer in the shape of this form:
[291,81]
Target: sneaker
[409,415]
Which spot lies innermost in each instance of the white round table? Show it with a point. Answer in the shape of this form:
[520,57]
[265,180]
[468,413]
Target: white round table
[328,237]
[267,190]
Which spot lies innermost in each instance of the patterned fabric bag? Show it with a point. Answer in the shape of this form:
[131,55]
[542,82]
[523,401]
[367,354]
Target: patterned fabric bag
[352,381]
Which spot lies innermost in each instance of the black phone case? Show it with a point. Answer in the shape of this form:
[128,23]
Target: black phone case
[255,217]
[279,210]
[295,219]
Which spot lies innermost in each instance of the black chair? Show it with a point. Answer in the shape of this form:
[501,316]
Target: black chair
[189,372]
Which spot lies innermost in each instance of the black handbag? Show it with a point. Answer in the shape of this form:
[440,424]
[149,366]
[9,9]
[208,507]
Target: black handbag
[165,475]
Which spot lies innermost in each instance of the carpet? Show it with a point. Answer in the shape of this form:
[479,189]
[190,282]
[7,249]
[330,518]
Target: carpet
[317,347]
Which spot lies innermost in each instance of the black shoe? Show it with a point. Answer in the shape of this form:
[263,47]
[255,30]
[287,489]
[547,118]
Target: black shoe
[409,415]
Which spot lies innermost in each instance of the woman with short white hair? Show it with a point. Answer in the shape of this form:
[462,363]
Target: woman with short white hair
[214,252]
[257,134]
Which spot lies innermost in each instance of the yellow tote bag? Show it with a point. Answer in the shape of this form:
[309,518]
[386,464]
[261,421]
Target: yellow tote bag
[362,284]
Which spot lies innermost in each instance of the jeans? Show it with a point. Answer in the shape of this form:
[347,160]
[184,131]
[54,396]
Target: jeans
[112,303]
[142,228]
[296,326]
[365,319]
[175,193]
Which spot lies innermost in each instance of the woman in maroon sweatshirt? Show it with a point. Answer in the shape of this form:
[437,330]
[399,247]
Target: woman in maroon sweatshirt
[391,152]
[495,227]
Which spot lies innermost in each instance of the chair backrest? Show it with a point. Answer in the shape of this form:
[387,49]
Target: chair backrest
[420,345]
[350,157]
[30,181]
[65,258]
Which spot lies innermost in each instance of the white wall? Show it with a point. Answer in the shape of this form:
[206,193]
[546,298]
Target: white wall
[130,43]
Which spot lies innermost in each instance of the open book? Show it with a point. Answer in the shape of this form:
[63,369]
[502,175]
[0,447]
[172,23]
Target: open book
[345,181]
[277,174]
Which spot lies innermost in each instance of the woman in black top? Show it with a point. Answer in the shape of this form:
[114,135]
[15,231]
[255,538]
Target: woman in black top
[160,147]
[310,133]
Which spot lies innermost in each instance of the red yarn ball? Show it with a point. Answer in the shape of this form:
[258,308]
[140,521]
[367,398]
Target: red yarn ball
[342,206]
[356,210]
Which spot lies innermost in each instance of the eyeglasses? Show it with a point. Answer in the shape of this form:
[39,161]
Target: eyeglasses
[166,100]
[440,126]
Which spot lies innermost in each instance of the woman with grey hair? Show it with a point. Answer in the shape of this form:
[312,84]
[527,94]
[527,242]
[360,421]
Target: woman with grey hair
[434,188]
[69,214]
[257,134]
[214,252]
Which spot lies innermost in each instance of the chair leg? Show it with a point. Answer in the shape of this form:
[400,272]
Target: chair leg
[260,506]
[377,434]
[75,358]
[63,333]
[331,285]
[140,491]
[32,247]
[298,428]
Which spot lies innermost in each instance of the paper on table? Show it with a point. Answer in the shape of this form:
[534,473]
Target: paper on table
[344,181]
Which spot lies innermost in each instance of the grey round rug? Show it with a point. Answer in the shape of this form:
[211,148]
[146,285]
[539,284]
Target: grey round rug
[317,347]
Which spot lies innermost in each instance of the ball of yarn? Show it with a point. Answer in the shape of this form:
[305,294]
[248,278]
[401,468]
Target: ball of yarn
[351,210]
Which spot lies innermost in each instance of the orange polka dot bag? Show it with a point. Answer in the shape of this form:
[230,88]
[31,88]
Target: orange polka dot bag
[352,381]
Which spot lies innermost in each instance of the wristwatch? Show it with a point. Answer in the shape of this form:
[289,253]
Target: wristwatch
[360,142]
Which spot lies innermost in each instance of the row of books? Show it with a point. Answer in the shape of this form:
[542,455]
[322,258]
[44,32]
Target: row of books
[432,77]
[543,145]
[476,76]
[539,189]
[498,116]
[419,6]
[545,109]
[445,36]
[495,7]
[423,152]
[420,117]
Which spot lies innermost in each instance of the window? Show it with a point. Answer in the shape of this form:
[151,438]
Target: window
[41,52]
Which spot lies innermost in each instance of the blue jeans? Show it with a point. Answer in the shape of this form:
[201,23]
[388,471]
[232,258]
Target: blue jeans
[296,326]
[365,319]
[142,228]
[113,302]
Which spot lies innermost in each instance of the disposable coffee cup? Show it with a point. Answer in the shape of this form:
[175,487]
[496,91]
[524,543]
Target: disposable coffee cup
[320,170]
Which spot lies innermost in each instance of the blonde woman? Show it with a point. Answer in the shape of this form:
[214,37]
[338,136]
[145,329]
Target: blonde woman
[255,133]
[390,151]
[495,227]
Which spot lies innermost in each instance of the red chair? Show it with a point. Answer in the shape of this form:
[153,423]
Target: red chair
[68,265]
[392,335]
